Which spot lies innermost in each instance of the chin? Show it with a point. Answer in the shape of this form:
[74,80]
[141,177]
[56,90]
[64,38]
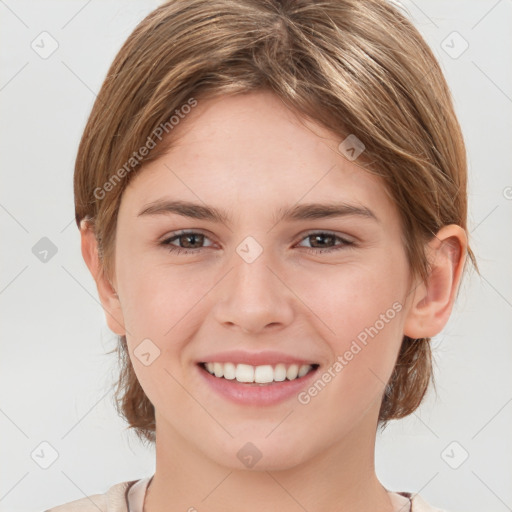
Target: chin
[255,453]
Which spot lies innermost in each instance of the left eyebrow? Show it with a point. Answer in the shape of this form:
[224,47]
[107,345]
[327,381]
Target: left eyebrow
[299,212]
[322,211]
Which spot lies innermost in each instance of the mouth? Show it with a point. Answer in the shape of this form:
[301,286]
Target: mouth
[263,378]
[262,375]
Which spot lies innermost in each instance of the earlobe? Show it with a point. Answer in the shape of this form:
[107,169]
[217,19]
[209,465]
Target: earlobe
[433,299]
[107,294]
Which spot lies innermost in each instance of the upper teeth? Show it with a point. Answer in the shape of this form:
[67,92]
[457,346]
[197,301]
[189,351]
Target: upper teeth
[258,374]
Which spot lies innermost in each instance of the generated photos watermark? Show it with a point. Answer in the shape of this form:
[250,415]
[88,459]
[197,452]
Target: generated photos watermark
[151,142]
[356,346]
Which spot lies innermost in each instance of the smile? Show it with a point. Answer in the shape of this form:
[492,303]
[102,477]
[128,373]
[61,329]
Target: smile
[263,374]
[261,385]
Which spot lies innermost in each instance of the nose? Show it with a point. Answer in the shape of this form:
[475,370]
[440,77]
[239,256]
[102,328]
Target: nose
[254,297]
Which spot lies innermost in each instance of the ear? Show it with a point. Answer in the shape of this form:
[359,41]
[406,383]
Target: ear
[108,296]
[433,299]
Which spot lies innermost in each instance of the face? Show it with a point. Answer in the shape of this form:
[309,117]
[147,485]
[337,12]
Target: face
[256,287]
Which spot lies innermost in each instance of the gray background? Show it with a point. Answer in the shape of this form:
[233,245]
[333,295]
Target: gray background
[56,380]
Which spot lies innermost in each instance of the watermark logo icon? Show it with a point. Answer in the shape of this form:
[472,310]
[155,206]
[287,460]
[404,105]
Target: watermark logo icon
[44,455]
[454,45]
[146,352]
[249,455]
[454,455]
[351,147]
[44,250]
[45,45]
[249,250]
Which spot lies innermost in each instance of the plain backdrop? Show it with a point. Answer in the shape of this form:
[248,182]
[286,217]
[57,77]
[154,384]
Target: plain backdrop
[56,405]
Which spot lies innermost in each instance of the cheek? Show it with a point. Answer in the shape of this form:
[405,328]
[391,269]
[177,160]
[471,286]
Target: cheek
[347,299]
[360,314]
[165,298]
[161,302]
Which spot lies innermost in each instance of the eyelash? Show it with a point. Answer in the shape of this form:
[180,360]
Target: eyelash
[179,250]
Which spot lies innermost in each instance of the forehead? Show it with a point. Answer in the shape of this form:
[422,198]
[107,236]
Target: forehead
[248,152]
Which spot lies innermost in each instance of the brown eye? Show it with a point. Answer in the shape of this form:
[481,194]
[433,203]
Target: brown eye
[189,242]
[323,242]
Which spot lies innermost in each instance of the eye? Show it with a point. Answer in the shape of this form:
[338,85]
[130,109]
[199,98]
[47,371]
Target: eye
[325,238]
[190,242]
[188,239]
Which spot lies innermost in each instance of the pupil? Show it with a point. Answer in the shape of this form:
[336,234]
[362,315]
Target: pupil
[322,237]
[187,237]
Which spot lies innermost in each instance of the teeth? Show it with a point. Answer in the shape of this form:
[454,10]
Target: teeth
[280,373]
[303,370]
[218,369]
[229,371]
[263,374]
[244,373]
[292,372]
[259,374]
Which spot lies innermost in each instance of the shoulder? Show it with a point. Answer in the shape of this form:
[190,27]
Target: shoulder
[114,500]
[420,505]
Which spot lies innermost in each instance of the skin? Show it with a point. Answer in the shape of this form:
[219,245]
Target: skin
[250,155]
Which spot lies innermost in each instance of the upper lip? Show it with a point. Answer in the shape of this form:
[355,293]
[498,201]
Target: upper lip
[265,357]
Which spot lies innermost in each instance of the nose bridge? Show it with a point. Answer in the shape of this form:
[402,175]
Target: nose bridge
[254,282]
[253,296]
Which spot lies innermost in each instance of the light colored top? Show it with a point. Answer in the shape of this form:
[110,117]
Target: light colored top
[129,497]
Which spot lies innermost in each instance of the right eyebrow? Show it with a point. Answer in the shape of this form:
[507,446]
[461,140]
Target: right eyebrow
[185,209]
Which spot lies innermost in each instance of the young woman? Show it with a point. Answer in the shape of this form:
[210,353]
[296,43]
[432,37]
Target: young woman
[272,201]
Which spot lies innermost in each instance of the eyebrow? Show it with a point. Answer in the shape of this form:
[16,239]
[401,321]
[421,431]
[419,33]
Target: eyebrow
[299,212]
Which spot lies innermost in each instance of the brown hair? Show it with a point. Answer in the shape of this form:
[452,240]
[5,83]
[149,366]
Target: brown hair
[354,67]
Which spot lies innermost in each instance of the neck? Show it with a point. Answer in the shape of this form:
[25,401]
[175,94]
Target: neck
[342,477]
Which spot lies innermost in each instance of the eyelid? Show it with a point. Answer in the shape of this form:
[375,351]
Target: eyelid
[343,236]
[185,231]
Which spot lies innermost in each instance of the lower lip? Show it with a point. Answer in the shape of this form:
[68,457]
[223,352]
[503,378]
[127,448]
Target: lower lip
[255,394]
